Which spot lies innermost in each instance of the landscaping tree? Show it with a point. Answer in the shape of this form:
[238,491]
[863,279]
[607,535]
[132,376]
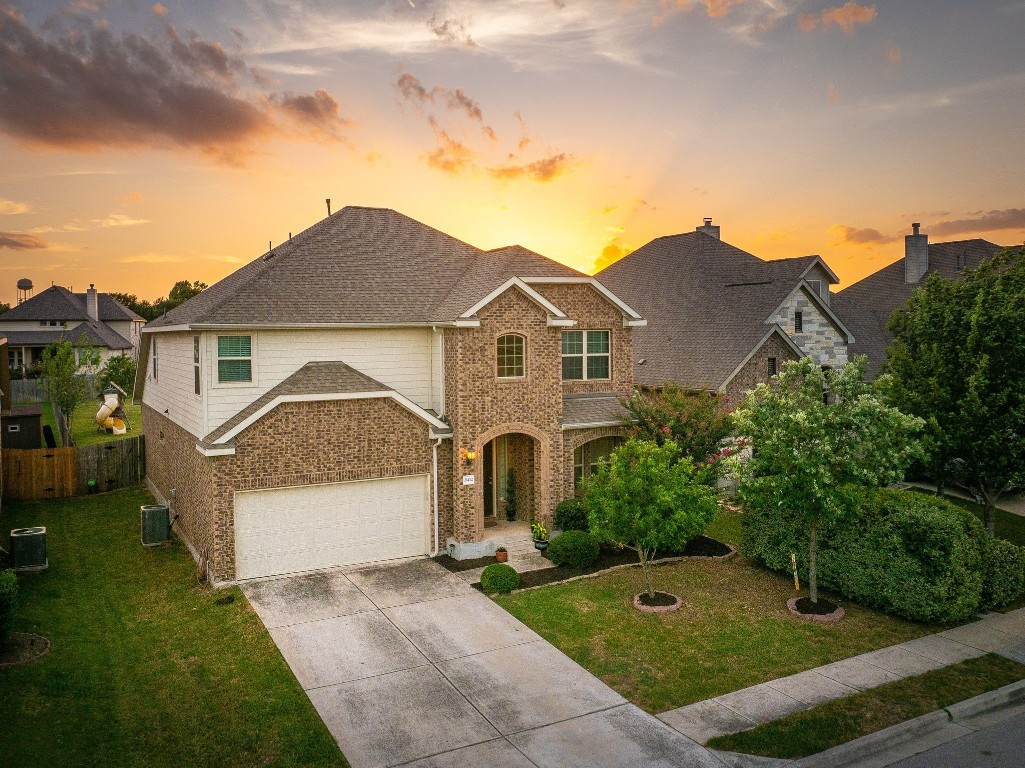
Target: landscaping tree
[958,361]
[806,450]
[647,497]
[119,370]
[65,368]
[180,292]
[141,307]
[695,421]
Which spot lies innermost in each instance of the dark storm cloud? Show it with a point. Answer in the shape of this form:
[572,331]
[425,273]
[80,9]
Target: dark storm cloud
[83,88]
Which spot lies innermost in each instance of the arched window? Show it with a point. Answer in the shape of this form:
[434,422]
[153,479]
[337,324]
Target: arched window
[512,356]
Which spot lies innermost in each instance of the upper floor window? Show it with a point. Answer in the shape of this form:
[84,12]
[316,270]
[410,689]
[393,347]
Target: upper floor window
[585,355]
[195,363]
[511,356]
[153,356]
[798,322]
[234,358]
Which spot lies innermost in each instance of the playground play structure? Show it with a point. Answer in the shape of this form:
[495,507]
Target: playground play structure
[111,415]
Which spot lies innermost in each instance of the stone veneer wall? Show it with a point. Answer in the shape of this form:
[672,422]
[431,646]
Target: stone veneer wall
[820,339]
[756,370]
[481,406]
[296,444]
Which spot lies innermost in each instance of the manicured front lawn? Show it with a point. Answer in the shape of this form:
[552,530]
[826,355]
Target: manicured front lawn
[843,720]
[146,668]
[83,423]
[733,630]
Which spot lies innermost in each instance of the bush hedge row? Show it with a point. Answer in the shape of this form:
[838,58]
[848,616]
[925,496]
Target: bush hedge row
[905,553]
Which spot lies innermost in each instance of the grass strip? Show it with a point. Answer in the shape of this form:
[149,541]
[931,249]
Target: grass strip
[837,722]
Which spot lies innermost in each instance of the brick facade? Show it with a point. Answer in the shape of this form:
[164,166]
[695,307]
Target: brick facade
[756,370]
[296,444]
[482,407]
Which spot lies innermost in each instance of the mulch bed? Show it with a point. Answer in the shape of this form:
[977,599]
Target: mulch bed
[455,566]
[661,599]
[820,608]
[699,546]
[21,648]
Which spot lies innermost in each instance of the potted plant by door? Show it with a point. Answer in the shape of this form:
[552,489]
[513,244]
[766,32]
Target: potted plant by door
[540,535]
[501,554]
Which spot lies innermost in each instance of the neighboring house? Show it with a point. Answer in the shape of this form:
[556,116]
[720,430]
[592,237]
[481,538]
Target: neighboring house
[867,305]
[721,319]
[368,389]
[57,314]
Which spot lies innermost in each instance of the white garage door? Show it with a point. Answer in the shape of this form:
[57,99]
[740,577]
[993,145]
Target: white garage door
[284,530]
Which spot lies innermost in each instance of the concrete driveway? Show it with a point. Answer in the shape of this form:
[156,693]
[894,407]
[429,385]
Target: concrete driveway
[407,664]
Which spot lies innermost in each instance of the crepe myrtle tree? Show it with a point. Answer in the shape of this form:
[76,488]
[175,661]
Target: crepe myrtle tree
[808,448]
[958,361]
[696,421]
[647,497]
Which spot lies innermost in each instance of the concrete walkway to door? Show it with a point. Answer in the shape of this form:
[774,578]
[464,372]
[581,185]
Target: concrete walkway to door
[409,665]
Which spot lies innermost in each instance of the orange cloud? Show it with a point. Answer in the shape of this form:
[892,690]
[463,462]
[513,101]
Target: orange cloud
[21,241]
[545,169]
[893,54]
[610,254]
[11,207]
[159,10]
[832,94]
[845,16]
[982,221]
[451,155]
[860,236]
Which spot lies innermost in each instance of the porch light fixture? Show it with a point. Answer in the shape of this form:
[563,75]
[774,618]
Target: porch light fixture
[468,455]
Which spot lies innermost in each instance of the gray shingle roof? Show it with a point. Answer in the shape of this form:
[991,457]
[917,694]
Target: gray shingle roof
[361,265]
[866,306]
[97,334]
[58,303]
[592,409]
[319,378]
[706,303]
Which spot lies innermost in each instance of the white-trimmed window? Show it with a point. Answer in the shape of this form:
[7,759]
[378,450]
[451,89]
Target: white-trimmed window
[195,364]
[234,358]
[512,356]
[585,355]
[153,356]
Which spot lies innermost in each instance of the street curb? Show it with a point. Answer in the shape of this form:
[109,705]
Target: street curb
[904,740]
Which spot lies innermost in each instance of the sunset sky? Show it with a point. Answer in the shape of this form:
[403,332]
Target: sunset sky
[143,143]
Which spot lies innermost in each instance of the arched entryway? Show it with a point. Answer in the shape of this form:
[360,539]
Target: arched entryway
[509,477]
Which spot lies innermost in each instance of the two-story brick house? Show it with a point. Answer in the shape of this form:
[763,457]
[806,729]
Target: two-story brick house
[369,390]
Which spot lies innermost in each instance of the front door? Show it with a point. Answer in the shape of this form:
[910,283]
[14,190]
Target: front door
[489,479]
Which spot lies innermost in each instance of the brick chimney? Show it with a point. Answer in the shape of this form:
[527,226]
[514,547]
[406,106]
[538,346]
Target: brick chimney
[712,230]
[92,303]
[916,255]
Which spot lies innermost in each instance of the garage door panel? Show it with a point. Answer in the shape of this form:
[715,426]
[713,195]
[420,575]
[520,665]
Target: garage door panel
[285,530]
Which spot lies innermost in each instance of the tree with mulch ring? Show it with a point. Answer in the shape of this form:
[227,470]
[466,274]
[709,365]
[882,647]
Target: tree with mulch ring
[816,433]
[647,497]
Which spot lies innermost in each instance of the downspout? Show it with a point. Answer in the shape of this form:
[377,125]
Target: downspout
[437,442]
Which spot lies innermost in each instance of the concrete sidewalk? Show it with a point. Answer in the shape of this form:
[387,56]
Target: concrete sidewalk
[763,703]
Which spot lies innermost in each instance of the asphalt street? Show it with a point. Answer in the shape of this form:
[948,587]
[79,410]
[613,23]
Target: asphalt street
[998,746]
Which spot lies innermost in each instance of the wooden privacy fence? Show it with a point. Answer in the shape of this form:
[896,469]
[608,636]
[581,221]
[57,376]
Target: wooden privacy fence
[54,473]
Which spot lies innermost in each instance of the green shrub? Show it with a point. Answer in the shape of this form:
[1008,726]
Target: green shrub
[576,549]
[499,577]
[8,603]
[570,515]
[1004,578]
[904,553]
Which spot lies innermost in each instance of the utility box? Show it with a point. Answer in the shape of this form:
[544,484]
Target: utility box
[28,549]
[156,524]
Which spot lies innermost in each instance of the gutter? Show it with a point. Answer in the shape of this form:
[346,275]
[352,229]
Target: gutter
[434,450]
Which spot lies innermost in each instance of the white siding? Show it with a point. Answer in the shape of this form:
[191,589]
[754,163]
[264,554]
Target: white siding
[401,358]
[174,388]
[438,373]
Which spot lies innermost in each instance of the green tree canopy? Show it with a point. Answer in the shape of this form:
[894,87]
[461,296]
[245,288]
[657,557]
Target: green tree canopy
[647,497]
[65,369]
[119,370]
[807,449]
[958,362]
[695,421]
